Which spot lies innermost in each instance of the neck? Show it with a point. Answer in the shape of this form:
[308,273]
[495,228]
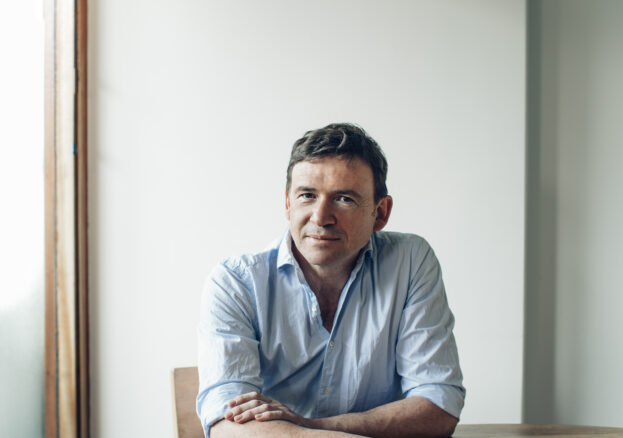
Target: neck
[326,282]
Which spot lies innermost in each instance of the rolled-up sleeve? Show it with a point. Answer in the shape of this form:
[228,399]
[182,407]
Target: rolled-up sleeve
[426,353]
[228,358]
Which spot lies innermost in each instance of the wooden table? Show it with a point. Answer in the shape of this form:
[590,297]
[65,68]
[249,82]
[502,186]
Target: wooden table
[534,431]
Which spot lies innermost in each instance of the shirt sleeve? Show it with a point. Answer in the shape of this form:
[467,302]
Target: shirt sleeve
[228,360]
[426,353]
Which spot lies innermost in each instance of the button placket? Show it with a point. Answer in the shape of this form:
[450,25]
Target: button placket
[314,309]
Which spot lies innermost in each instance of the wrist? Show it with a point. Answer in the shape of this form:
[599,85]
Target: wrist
[312,423]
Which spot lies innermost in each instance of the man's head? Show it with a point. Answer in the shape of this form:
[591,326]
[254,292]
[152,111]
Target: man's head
[334,199]
[341,140]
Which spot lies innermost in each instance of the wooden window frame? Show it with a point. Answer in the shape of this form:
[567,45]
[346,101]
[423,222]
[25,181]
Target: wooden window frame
[66,249]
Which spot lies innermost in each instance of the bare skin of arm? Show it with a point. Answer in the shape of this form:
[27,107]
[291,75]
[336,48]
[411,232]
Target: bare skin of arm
[411,417]
[270,429]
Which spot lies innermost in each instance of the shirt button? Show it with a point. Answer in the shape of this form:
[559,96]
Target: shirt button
[331,344]
[314,308]
[327,390]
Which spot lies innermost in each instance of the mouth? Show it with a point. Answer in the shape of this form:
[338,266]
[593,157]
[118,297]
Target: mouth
[322,238]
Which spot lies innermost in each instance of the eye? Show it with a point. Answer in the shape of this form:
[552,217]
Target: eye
[345,199]
[306,196]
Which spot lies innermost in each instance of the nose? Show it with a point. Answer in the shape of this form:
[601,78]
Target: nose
[323,214]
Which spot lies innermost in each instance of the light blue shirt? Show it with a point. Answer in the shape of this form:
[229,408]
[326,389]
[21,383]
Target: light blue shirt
[261,330]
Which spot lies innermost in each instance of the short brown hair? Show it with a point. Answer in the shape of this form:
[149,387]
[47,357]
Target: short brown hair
[341,139]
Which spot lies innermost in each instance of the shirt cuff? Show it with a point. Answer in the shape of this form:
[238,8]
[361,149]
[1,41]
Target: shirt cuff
[447,397]
[212,404]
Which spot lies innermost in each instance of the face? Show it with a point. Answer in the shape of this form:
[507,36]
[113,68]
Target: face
[331,209]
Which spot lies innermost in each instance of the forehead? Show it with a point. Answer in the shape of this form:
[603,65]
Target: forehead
[334,174]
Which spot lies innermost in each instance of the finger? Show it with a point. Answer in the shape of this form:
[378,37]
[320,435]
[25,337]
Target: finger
[244,417]
[277,411]
[247,397]
[269,415]
[252,414]
[237,410]
[243,398]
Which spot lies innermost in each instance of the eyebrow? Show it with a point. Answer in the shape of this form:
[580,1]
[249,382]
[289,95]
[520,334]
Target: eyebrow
[304,189]
[347,192]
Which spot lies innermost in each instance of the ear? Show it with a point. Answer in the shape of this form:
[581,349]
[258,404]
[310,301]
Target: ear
[383,210]
[287,206]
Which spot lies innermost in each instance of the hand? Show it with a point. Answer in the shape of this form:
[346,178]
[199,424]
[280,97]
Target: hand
[255,406]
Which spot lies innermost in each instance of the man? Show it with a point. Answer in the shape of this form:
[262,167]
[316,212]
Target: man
[338,330]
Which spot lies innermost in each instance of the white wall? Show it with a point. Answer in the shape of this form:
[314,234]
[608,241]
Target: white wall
[22,310]
[574,353]
[193,108]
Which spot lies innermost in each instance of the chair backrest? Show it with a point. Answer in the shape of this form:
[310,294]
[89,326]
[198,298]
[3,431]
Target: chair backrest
[185,386]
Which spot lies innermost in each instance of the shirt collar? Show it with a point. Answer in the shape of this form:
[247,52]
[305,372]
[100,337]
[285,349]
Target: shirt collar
[284,255]
[366,253]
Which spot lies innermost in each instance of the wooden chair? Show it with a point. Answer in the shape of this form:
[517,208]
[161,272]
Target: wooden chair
[185,385]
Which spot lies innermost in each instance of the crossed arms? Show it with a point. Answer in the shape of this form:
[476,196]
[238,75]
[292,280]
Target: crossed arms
[399,344]
[253,415]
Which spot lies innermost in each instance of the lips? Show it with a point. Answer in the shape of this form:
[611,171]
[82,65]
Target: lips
[322,237]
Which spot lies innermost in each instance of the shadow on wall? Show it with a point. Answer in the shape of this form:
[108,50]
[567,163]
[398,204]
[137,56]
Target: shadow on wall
[563,176]
[541,212]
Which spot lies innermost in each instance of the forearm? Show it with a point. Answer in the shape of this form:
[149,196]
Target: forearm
[411,417]
[270,429]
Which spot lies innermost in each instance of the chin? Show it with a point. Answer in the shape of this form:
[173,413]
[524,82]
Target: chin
[313,258]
